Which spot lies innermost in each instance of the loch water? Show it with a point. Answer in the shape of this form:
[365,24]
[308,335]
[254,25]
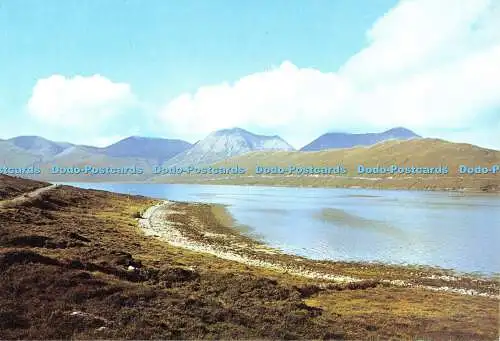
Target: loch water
[443,229]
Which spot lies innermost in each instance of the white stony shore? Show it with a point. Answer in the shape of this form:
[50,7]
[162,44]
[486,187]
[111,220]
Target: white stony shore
[155,222]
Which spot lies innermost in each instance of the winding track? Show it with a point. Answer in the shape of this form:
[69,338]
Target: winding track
[26,197]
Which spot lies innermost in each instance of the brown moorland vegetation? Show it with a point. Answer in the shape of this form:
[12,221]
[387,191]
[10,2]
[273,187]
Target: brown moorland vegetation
[74,264]
[11,187]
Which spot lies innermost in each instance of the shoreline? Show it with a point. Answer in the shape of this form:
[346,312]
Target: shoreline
[162,221]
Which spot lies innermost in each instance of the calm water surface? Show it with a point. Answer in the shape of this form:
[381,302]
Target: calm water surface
[404,227]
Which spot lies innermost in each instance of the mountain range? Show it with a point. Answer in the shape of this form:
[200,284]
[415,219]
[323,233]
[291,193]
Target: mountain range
[35,150]
[147,152]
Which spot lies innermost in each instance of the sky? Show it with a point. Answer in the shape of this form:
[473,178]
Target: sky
[93,72]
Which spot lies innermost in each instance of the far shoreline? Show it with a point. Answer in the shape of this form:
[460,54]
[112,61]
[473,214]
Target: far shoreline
[216,182]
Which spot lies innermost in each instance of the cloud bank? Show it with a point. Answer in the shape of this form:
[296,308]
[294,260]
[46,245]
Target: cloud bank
[428,65]
[79,101]
[89,110]
[431,66]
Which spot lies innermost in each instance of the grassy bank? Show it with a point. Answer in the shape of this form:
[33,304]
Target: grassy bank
[467,184]
[419,153]
[75,264]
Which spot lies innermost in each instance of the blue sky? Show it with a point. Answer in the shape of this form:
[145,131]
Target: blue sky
[95,71]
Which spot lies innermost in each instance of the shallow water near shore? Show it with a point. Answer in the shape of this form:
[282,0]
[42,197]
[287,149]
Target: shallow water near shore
[459,232]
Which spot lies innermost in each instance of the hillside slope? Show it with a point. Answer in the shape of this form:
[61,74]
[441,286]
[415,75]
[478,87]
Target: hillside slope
[82,157]
[421,152]
[13,156]
[415,152]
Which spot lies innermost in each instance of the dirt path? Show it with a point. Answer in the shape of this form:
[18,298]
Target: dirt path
[155,222]
[26,197]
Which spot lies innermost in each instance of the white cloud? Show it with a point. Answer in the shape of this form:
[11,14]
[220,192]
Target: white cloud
[428,65]
[278,99]
[417,35]
[83,102]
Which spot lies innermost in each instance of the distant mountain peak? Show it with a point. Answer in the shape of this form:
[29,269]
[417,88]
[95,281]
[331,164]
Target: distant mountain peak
[39,145]
[241,131]
[231,131]
[144,138]
[133,137]
[156,148]
[347,140]
[226,143]
[402,131]
[28,140]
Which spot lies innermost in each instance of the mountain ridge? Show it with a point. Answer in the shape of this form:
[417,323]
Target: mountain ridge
[154,148]
[334,140]
[39,145]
